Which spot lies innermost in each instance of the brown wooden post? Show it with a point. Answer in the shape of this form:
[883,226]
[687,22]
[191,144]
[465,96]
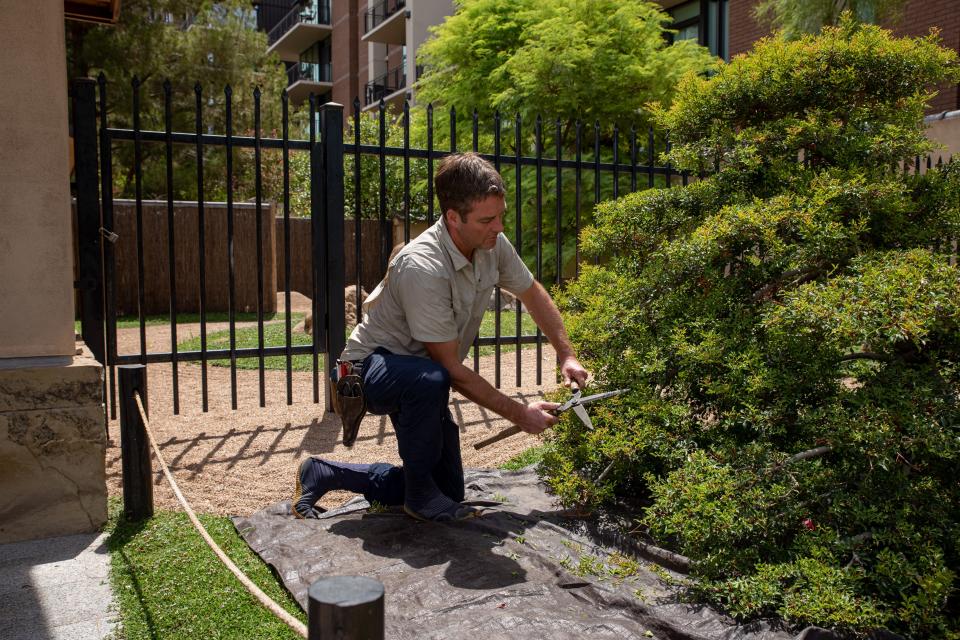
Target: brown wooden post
[346,608]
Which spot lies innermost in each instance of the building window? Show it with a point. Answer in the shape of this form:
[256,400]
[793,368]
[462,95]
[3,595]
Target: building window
[706,21]
[318,53]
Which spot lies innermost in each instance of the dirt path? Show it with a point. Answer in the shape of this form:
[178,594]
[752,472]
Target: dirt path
[236,462]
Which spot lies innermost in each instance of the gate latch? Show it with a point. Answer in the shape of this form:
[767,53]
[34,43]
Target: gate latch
[109,235]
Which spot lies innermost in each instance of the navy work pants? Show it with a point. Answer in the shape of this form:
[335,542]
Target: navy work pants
[415,393]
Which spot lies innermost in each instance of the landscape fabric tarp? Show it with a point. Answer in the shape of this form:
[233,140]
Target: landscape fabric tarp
[519,571]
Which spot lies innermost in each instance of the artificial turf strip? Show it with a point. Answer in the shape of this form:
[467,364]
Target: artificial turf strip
[168,584]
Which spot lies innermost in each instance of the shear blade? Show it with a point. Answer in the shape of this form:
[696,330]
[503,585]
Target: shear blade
[582,414]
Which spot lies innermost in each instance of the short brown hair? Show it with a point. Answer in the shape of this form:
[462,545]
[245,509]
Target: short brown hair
[464,178]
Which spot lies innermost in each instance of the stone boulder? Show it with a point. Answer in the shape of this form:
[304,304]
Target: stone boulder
[507,301]
[349,305]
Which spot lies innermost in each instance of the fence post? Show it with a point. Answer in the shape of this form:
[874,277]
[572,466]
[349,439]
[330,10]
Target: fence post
[89,252]
[345,608]
[331,125]
[134,446]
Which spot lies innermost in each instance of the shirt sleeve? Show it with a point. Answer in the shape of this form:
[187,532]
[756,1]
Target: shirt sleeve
[515,277]
[426,300]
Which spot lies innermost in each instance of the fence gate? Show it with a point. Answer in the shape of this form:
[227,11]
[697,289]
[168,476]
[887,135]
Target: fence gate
[96,260]
[565,180]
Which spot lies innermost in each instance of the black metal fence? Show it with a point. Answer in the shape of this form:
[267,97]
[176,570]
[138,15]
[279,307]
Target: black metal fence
[540,171]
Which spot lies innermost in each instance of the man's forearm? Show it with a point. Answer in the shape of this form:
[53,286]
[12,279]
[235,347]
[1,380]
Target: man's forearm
[545,313]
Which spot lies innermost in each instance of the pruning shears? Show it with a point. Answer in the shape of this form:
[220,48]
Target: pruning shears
[576,402]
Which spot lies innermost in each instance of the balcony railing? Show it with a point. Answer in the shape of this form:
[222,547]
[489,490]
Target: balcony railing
[309,72]
[380,12]
[382,86]
[312,13]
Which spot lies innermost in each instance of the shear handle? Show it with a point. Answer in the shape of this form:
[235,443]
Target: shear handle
[569,404]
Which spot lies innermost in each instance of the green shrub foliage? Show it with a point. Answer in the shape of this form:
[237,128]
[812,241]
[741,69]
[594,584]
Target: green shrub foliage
[788,327]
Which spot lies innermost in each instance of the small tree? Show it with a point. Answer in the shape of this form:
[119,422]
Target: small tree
[790,330]
[186,43]
[588,60]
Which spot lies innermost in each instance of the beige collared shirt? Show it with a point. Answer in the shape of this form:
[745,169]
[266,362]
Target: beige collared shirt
[432,293]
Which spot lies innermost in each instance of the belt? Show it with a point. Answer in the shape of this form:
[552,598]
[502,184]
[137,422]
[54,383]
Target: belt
[356,366]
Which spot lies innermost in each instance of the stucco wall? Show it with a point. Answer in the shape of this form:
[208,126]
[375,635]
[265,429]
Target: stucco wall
[944,128]
[36,290]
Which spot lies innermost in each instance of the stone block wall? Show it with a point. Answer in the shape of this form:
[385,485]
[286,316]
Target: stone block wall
[52,450]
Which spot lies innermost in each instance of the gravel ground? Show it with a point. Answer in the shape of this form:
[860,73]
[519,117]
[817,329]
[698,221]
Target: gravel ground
[236,462]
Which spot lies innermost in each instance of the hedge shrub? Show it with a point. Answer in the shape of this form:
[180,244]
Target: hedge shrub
[789,329]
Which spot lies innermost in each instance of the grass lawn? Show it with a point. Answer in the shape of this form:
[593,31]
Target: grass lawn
[169,585]
[131,322]
[275,336]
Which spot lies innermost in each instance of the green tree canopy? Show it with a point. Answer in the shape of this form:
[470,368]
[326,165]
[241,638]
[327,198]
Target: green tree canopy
[790,329]
[213,44]
[587,59]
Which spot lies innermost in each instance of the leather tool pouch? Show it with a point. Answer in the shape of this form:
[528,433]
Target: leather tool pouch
[349,403]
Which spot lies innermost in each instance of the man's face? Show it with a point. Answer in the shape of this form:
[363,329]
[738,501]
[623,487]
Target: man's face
[483,224]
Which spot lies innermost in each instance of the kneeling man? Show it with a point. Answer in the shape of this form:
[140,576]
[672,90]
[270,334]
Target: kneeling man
[417,328]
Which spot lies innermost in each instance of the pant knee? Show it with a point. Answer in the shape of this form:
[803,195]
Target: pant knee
[435,382]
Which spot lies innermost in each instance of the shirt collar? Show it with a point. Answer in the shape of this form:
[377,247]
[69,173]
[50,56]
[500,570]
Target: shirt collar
[459,260]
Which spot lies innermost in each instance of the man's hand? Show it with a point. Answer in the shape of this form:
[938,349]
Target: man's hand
[573,372]
[536,416]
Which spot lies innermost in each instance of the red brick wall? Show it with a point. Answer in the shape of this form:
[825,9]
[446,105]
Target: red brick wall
[345,41]
[744,28]
[363,62]
[394,56]
[917,18]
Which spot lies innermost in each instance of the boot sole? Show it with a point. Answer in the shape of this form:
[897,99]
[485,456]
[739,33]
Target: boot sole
[298,491]
[476,513]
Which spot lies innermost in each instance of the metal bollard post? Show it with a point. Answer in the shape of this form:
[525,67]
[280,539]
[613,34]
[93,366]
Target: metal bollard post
[346,608]
[134,446]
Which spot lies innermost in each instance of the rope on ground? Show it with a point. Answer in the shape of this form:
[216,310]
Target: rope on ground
[264,599]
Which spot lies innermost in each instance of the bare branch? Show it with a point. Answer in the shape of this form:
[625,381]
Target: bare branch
[802,275]
[809,454]
[605,473]
[816,452]
[865,355]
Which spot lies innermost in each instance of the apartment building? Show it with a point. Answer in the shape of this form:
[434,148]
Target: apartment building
[346,49]
[393,31]
[728,28]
